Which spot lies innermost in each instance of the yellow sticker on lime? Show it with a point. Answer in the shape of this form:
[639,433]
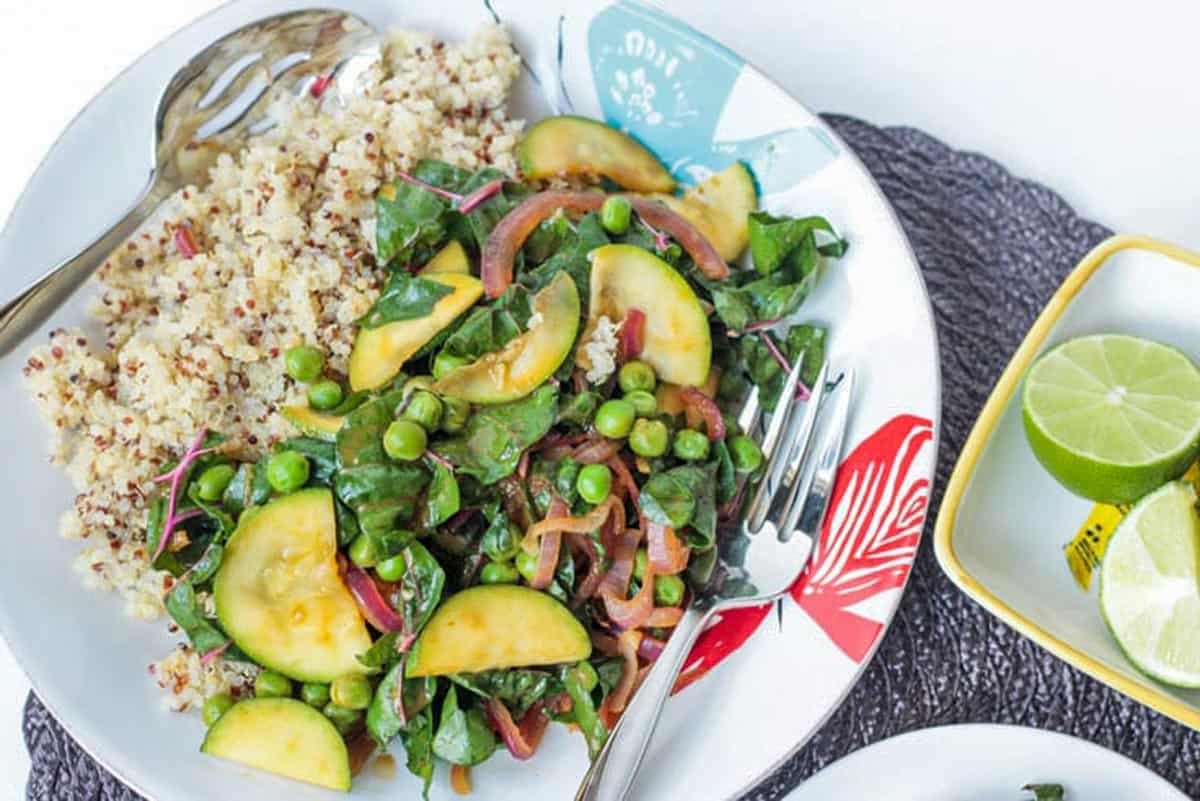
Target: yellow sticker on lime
[1086,548]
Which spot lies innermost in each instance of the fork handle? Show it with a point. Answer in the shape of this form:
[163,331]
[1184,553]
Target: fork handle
[613,771]
[21,315]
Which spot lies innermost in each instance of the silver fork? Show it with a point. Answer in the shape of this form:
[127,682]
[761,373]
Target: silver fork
[791,500]
[213,104]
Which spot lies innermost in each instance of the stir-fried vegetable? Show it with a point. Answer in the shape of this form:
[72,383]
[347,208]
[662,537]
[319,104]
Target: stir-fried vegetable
[499,527]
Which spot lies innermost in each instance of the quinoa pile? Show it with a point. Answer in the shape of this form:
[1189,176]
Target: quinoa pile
[194,312]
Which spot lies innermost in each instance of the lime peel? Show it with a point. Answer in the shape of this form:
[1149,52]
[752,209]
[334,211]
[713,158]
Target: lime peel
[1113,417]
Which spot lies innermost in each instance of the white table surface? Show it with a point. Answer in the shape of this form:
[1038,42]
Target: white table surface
[1095,99]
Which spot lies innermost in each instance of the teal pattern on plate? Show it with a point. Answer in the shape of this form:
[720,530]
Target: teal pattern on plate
[667,85]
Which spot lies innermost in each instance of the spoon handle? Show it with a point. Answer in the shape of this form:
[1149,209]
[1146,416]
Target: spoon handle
[28,310]
[612,772]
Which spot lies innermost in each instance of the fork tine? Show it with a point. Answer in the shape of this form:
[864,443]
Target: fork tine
[802,441]
[782,412]
[798,442]
[807,499]
[785,411]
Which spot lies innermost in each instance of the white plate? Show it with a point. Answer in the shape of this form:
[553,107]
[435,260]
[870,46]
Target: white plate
[724,733]
[984,762]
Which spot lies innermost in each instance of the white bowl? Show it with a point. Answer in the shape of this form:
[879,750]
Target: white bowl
[725,732]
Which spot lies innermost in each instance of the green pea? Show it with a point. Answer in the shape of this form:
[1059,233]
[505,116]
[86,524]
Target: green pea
[649,438]
[636,375]
[392,568]
[215,706]
[287,471]
[304,363]
[615,214]
[640,560]
[691,445]
[614,418]
[424,409]
[526,565]
[585,676]
[455,414]
[269,684]
[363,551]
[314,694]
[213,481]
[499,573]
[594,483]
[342,718]
[404,441]
[644,403]
[325,394]
[747,456]
[445,362]
[351,692]
[668,590]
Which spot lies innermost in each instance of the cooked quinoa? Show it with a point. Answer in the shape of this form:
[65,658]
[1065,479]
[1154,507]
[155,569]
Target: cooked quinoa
[284,234]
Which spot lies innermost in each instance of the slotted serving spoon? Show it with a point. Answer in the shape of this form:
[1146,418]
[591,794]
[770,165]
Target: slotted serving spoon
[213,105]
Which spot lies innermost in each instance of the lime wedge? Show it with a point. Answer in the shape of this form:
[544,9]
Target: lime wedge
[1113,417]
[1149,593]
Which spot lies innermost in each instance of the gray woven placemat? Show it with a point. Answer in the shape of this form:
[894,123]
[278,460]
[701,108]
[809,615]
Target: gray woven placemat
[993,249]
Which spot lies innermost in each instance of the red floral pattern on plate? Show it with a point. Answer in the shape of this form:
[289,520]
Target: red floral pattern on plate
[870,535]
[868,542]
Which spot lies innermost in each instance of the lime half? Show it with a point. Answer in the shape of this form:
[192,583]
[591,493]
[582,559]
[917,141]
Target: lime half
[1113,417]
[1149,593]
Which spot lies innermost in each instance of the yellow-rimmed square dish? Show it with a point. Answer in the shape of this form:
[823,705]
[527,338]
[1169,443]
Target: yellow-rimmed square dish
[1005,521]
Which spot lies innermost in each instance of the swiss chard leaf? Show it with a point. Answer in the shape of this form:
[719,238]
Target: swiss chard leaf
[666,500]
[388,714]
[766,372]
[413,219]
[684,496]
[734,306]
[551,236]
[480,221]
[417,737]
[565,478]
[726,475]
[518,689]
[491,327]
[501,541]
[404,297]
[383,493]
[578,410]
[184,608]
[572,256]
[701,482]
[463,735]
[207,565]
[788,261]
[420,588]
[773,238]
[1046,792]
[442,498]
[495,436]
[347,523]
[609,671]
[383,653]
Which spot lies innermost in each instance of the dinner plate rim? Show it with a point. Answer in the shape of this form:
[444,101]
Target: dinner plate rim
[923,317]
